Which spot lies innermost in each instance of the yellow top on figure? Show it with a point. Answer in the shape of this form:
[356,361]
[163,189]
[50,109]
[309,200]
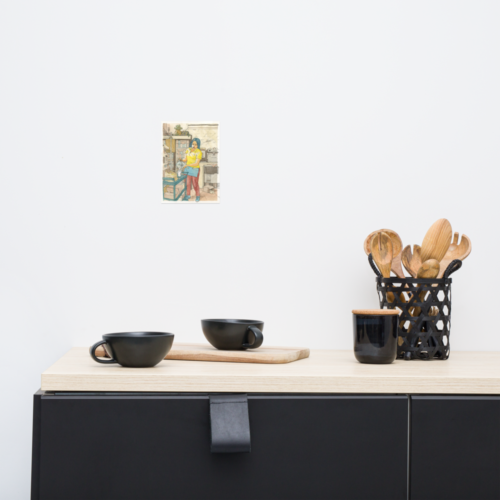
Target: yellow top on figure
[193,157]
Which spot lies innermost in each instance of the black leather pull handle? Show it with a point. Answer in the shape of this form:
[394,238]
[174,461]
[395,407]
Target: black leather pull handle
[230,425]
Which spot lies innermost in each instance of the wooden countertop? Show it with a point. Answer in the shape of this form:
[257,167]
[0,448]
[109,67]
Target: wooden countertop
[323,372]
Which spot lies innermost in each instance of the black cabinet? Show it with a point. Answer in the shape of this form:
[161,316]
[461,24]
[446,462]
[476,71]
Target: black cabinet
[157,446]
[455,448]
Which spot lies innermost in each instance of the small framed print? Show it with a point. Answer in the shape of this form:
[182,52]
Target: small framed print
[190,162]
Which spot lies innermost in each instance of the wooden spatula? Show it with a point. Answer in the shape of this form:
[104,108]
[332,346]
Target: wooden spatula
[437,241]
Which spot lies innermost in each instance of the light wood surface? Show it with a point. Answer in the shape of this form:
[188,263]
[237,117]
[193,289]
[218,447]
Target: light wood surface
[397,248]
[412,262]
[377,312]
[205,352]
[456,251]
[323,372]
[437,240]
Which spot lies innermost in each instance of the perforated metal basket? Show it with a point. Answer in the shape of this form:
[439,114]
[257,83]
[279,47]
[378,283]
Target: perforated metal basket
[425,318]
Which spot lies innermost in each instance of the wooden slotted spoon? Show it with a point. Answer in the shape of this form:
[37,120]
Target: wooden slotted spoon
[381,250]
[397,247]
[455,251]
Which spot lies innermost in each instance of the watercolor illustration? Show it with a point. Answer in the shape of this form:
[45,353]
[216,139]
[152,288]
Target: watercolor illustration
[190,172]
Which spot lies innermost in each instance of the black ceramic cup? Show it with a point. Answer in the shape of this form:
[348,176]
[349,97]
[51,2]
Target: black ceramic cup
[134,349]
[375,335]
[233,334]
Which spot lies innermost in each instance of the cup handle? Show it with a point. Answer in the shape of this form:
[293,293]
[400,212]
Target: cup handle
[95,358]
[258,338]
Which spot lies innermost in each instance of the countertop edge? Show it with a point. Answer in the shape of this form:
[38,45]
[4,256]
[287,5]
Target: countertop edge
[304,384]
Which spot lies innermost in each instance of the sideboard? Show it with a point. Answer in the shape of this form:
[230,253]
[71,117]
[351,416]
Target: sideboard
[326,427]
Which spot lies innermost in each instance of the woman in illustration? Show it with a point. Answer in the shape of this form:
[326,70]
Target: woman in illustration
[192,168]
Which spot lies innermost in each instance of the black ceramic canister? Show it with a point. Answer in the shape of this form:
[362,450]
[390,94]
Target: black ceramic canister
[375,335]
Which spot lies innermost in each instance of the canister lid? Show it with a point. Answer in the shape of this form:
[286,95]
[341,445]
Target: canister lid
[377,312]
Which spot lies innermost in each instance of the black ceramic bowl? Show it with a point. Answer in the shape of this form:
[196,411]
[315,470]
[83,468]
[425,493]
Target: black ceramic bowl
[135,349]
[233,334]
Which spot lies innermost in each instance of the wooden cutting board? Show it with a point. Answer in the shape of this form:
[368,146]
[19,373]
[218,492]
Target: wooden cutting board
[205,352]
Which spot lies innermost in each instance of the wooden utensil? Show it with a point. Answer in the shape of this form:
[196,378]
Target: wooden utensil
[411,262]
[455,251]
[381,250]
[437,241]
[428,270]
[397,247]
[379,246]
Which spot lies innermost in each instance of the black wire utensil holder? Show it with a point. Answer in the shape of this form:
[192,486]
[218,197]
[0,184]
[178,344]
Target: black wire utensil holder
[425,318]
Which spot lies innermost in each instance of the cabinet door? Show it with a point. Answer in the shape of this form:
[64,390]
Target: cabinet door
[455,448]
[153,447]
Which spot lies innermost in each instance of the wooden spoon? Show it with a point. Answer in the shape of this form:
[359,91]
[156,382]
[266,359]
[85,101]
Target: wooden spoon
[397,247]
[455,251]
[429,269]
[411,262]
[437,241]
[381,249]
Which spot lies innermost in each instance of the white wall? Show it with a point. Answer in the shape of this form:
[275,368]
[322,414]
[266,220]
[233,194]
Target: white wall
[368,114]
